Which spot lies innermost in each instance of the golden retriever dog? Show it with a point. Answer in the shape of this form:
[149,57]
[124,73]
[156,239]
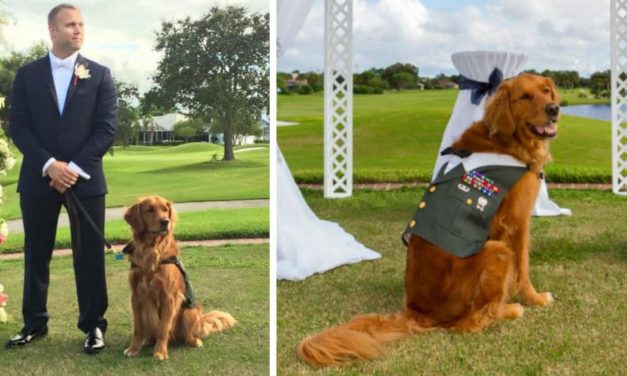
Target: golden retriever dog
[162,312]
[467,293]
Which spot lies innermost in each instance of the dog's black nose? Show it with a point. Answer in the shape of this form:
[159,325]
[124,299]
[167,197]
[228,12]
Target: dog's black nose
[552,109]
[164,222]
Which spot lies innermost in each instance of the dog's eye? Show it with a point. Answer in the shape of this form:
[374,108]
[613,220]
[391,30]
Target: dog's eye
[164,208]
[151,209]
[546,90]
[526,96]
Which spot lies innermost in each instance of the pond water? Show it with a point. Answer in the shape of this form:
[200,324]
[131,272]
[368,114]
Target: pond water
[591,111]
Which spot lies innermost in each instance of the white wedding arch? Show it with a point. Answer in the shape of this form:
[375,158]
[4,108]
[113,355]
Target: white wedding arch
[297,255]
[338,95]
[618,22]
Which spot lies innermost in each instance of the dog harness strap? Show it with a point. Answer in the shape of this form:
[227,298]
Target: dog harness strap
[458,207]
[190,299]
[458,152]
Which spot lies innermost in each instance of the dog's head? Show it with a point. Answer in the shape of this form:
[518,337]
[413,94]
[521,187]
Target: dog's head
[524,108]
[153,215]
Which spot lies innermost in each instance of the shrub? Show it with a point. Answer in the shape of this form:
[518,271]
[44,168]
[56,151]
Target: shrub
[305,90]
[317,87]
[361,89]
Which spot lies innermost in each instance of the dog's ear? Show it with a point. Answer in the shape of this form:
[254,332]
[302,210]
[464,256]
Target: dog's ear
[498,113]
[173,217]
[554,95]
[133,217]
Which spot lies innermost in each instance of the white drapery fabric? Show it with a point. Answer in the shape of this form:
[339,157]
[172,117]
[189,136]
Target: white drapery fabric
[305,244]
[478,66]
[291,15]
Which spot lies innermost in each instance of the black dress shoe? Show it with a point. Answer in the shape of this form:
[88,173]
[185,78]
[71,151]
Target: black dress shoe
[94,342]
[25,336]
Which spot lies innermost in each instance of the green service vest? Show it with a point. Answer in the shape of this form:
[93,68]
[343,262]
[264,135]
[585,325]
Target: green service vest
[457,209]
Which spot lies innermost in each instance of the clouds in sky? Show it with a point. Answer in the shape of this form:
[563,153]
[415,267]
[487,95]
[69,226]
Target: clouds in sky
[118,33]
[556,34]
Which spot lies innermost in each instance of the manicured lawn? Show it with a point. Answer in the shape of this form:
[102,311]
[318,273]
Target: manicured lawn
[397,136]
[180,173]
[230,278]
[210,224]
[580,259]
[572,97]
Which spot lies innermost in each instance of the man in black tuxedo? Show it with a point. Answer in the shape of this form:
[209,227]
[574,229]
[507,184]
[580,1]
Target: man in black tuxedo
[63,119]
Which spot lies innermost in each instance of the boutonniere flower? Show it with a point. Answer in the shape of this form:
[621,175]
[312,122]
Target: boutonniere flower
[80,73]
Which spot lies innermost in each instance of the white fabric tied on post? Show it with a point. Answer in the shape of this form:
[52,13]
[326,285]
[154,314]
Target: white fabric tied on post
[305,243]
[483,67]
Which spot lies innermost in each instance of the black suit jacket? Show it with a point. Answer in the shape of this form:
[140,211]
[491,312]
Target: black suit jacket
[83,134]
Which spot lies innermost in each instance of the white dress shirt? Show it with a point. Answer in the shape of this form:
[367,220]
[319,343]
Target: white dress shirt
[62,73]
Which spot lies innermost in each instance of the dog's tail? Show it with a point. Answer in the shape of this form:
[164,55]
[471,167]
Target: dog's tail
[216,321]
[361,338]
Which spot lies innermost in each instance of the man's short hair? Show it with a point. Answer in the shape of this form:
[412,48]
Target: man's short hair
[52,16]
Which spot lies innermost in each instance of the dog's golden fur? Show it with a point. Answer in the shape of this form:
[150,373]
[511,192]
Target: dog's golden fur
[467,294]
[158,290]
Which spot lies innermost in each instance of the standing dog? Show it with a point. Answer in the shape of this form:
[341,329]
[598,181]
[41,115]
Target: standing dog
[467,293]
[161,297]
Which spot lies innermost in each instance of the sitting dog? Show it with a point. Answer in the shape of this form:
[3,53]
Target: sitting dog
[161,296]
[467,245]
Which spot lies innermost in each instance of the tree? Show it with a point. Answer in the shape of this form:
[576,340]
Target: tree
[389,72]
[194,128]
[600,83]
[402,80]
[217,66]
[8,68]
[245,123]
[128,113]
[370,78]
[152,103]
[184,131]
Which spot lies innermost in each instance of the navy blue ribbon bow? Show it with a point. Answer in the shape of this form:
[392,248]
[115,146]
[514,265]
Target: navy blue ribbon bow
[481,89]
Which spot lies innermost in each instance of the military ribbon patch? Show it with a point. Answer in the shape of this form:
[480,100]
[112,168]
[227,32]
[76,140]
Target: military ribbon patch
[481,183]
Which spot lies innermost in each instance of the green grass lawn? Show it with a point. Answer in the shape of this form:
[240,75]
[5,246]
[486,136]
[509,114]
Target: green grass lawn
[396,137]
[180,173]
[209,224]
[581,259]
[230,278]
[572,97]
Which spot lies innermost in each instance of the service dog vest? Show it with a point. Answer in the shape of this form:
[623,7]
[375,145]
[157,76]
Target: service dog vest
[458,207]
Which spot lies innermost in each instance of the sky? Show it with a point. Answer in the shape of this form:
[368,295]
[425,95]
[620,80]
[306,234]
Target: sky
[118,33]
[555,34]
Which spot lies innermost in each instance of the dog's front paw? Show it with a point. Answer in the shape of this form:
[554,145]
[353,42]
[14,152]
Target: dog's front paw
[131,352]
[547,298]
[160,355]
[197,342]
[512,311]
[542,299]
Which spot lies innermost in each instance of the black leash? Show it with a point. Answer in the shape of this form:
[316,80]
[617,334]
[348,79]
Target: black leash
[73,203]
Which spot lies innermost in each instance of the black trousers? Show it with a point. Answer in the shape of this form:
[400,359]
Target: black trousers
[40,216]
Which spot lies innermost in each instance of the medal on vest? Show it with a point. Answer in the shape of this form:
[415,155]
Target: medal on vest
[481,183]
